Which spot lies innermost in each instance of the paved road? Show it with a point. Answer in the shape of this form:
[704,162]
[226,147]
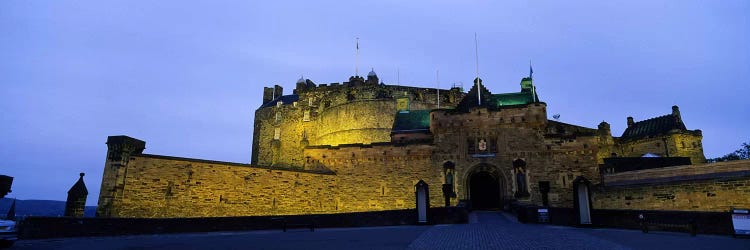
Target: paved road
[486,230]
[492,230]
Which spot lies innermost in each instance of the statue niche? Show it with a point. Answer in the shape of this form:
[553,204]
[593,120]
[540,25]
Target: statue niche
[522,189]
[448,191]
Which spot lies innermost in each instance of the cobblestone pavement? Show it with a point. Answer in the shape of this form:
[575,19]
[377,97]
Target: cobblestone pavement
[492,230]
[486,230]
[495,230]
[396,237]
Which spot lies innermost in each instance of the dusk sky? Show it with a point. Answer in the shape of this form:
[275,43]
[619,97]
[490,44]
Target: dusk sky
[187,76]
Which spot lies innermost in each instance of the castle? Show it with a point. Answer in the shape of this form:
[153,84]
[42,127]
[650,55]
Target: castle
[363,145]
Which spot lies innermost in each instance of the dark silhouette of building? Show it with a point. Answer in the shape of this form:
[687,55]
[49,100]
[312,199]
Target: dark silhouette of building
[5,183]
[76,202]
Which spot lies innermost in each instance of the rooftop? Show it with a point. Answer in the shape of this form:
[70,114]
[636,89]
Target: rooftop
[654,127]
[414,121]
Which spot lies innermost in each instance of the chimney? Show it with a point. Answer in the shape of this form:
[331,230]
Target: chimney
[630,121]
[676,112]
[267,94]
[278,91]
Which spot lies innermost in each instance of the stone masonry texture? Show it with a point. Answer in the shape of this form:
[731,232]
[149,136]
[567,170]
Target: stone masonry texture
[329,148]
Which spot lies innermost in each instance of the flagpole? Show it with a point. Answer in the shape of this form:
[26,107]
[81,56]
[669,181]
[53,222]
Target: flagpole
[398,76]
[356,58]
[531,78]
[437,80]
[479,84]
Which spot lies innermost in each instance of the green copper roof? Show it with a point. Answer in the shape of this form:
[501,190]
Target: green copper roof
[411,121]
[509,99]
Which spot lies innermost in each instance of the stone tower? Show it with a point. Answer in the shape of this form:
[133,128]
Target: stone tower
[76,202]
[119,150]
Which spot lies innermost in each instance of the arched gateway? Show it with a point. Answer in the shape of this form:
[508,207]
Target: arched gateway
[485,187]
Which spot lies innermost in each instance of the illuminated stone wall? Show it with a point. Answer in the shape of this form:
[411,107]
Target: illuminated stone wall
[678,145]
[347,123]
[379,177]
[159,187]
[366,178]
[519,133]
[330,150]
[348,113]
[708,187]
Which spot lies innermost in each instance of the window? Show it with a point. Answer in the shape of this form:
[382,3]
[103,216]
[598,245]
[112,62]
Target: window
[306,116]
[276,133]
[278,116]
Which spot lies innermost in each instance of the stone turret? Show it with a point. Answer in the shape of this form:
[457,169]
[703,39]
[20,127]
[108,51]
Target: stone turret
[76,202]
[372,78]
[604,129]
[119,150]
[527,84]
[303,84]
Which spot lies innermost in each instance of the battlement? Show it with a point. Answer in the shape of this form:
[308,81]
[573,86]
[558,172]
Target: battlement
[359,111]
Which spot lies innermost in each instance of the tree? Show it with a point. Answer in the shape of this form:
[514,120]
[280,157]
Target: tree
[739,154]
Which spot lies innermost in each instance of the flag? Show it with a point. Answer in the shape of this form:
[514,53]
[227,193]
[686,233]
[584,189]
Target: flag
[357,43]
[531,70]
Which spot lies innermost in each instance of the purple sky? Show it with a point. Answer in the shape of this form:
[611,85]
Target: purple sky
[186,76]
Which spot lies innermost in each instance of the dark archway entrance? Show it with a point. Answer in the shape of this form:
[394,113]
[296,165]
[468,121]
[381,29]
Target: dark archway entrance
[484,189]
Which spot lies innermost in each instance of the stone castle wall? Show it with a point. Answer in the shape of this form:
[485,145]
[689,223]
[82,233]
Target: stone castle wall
[365,179]
[677,145]
[346,113]
[517,133]
[380,177]
[708,187]
[347,123]
[330,150]
[164,187]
